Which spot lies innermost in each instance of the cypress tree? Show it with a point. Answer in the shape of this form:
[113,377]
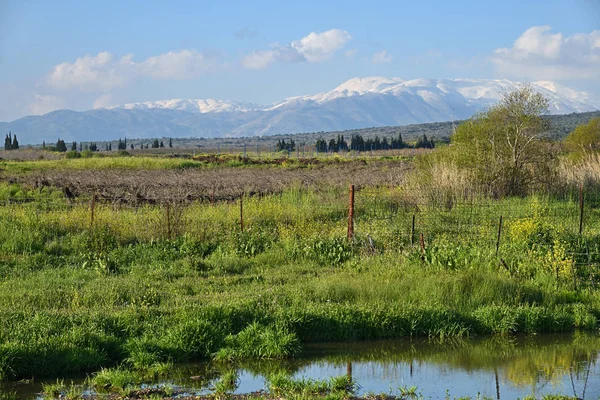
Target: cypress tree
[15,143]
[61,146]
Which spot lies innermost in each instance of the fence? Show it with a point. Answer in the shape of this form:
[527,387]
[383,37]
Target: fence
[385,222]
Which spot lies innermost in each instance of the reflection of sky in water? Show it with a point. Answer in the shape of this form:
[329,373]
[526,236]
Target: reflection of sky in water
[433,380]
[525,365]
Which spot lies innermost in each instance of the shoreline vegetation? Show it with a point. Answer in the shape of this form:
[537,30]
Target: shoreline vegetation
[121,264]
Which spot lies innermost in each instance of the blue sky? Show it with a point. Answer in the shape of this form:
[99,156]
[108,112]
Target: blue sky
[86,54]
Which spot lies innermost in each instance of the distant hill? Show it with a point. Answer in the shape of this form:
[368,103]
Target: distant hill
[356,104]
[560,126]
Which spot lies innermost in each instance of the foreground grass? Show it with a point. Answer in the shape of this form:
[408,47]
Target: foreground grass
[134,291]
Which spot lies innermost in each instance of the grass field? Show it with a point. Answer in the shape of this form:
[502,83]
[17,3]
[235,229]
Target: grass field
[145,284]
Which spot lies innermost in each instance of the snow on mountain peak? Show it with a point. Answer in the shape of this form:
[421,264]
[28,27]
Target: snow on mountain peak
[375,101]
[376,84]
[192,105]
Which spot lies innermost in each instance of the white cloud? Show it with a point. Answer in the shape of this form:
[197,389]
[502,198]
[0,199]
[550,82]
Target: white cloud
[381,57]
[313,48]
[104,71]
[89,72]
[316,47]
[540,54]
[184,64]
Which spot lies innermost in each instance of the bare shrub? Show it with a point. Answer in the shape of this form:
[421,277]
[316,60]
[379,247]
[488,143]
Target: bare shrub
[443,184]
[585,172]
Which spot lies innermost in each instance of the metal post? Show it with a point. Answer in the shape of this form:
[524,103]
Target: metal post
[499,233]
[412,232]
[168,221]
[92,209]
[580,209]
[351,214]
[242,212]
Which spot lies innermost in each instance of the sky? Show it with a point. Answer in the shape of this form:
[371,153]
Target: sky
[88,54]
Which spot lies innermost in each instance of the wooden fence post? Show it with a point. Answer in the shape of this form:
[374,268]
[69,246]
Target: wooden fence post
[499,234]
[351,214]
[422,244]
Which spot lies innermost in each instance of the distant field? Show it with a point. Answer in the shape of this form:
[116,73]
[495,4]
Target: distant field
[204,177]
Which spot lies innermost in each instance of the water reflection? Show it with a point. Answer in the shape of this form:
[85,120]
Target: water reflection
[498,367]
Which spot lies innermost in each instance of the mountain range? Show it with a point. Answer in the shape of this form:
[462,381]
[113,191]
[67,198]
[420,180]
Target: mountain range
[356,103]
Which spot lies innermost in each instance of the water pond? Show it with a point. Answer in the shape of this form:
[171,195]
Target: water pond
[497,367]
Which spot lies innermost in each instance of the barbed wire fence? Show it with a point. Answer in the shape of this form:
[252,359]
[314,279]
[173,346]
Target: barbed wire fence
[408,224]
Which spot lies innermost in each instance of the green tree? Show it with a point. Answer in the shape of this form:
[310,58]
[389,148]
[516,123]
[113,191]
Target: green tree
[61,146]
[155,144]
[584,140]
[502,148]
[170,143]
[74,146]
[15,143]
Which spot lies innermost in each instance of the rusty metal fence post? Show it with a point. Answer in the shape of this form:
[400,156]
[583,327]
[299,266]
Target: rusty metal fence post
[351,214]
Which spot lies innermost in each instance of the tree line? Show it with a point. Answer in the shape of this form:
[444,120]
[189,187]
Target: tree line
[61,147]
[358,143]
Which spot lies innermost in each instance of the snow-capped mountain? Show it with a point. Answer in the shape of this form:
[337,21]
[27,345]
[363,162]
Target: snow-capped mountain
[442,92]
[356,103]
[192,105]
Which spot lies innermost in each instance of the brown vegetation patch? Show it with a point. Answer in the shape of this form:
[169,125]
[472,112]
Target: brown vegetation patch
[211,184]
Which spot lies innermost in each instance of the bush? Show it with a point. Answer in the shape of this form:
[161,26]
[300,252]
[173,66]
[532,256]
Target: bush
[72,154]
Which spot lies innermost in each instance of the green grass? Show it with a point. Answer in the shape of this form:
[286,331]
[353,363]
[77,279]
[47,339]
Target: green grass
[125,294]
[282,386]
